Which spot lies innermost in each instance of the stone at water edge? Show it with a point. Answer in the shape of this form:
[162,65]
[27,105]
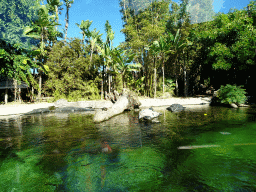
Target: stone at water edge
[233,105]
[175,108]
[148,114]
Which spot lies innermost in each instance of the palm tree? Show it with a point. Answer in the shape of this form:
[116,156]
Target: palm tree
[123,59]
[40,30]
[105,52]
[108,47]
[84,26]
[154,49]
[162,47]
[68,5]
[94,38]
[54,7]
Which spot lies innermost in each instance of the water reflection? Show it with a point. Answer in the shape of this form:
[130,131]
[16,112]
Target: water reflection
[68,152]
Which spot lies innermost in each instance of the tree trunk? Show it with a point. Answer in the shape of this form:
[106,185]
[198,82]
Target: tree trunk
[6,96]
[155,82]
[163,79]
[102,81]
[108,82]
[57,16]
[185,80]
[67,21]
[40,86]
[91,54]
[32,97]
[176,85]
[20,95]
[176,80]
[15,90]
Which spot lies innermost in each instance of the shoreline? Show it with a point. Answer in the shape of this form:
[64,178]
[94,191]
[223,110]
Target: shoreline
[18,109]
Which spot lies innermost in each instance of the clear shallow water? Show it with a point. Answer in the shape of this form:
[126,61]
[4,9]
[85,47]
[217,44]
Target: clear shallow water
[207,149]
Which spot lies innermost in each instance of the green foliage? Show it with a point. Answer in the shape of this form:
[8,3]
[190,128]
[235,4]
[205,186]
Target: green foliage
[70,74]
[14,16]
[169,86]
[231,94]
[16,62]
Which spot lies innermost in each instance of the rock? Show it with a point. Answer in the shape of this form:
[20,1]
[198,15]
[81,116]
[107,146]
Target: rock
[243,105]
[40,110]
[132,98]
[233,105]
[148,114]
[72,109]
[117,108]
[61,103]
[116,94]
[176,108]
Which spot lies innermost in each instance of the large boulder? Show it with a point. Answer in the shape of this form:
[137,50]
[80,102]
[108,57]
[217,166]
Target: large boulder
[148,114]
[133,99]
[176,108]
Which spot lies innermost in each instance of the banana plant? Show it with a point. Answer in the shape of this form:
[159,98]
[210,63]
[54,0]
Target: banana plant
[123,60]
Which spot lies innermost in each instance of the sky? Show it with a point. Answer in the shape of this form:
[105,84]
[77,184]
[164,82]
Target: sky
[99,11]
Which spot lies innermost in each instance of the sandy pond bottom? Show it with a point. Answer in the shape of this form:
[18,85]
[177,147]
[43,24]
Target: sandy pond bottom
[63,152]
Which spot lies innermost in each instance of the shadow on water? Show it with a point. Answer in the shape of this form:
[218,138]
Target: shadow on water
[200,149]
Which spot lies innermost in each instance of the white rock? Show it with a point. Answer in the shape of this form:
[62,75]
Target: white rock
[148,113]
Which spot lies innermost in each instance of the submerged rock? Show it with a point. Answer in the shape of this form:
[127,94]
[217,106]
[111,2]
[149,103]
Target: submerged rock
[148,114]
[176,108]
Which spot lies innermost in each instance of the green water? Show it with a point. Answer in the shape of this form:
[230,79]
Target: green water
[203,149]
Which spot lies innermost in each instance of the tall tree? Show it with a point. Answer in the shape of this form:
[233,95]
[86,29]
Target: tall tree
[15,49]
[142,27]
[54,9]
[71,78]
[123,60]
[108,47]
[84,26]
[68,4]
[40,30]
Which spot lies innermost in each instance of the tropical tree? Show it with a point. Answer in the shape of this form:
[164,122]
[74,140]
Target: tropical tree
[84,26]
[144,22]
[154,50]
[105,50]
[68,4]
[69,74]
[40,30]
[15,49]
[94,38]
[54,7]
[123,60]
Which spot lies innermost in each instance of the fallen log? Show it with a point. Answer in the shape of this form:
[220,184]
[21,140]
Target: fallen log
[120,105]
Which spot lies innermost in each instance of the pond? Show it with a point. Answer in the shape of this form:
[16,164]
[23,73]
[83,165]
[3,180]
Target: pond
[200,149]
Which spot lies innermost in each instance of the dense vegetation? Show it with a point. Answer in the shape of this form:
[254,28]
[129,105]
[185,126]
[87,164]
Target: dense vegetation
[167,46]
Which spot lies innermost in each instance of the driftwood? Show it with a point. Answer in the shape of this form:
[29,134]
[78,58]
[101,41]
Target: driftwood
[117,108]
[128,100]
